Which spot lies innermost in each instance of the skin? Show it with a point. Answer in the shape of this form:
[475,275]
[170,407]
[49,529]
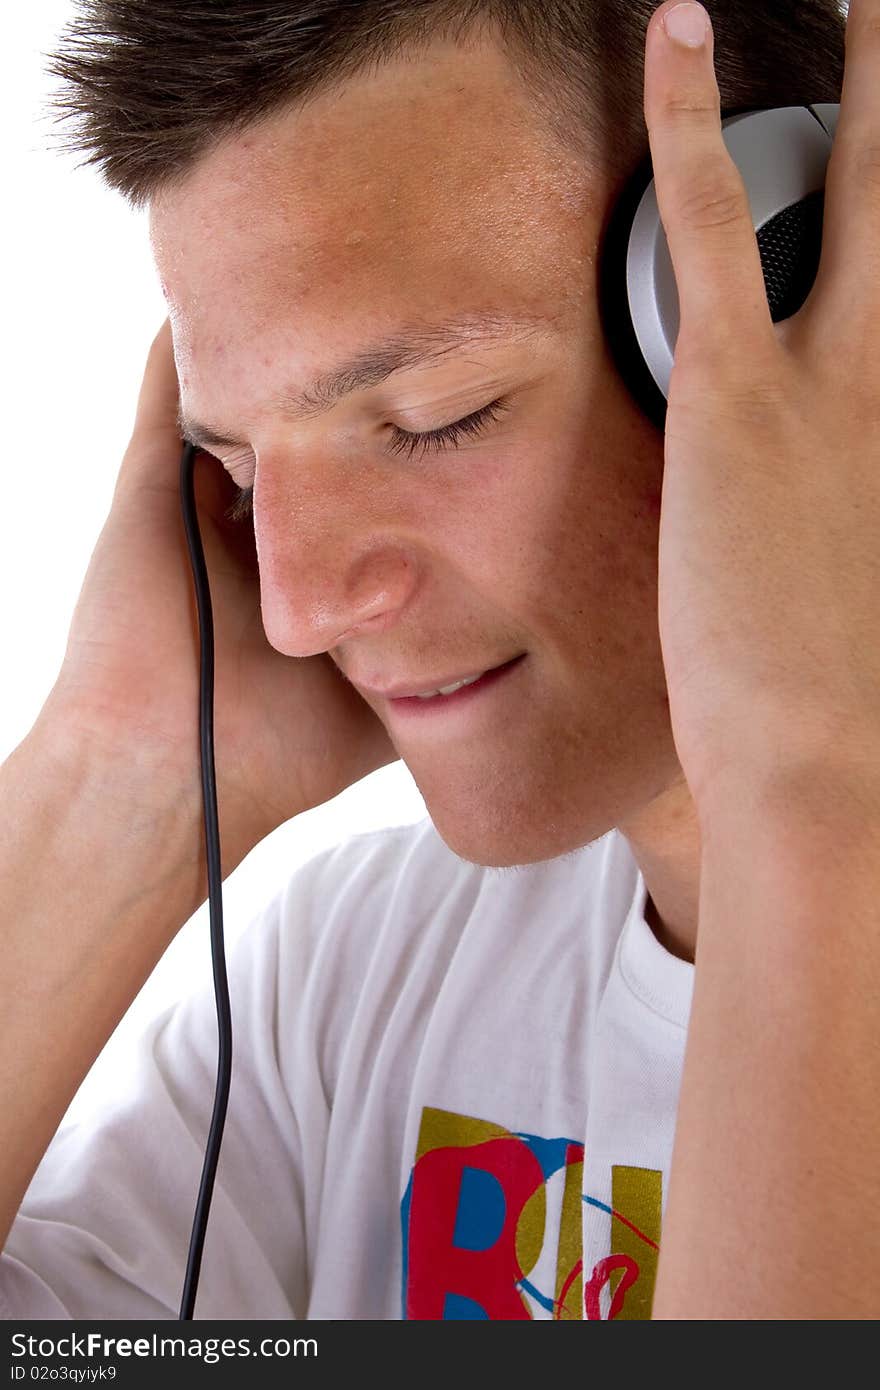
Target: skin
[421,191]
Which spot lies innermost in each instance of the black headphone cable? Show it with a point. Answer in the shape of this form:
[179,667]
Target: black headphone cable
[215,878]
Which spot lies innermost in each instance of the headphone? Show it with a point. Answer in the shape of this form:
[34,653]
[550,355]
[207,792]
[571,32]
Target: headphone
[782,155]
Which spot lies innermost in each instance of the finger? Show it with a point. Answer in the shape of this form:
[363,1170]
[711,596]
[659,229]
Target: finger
[848,281]
[702,199]
[159,393]
[152,459]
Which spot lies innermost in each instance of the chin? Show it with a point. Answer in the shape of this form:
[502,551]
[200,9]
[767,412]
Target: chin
[494,835]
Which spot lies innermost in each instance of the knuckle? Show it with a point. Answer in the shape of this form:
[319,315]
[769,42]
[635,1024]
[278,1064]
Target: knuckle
[749,387]
[867,166]
[863,27]
[686,103]
[858,151]
[707,206]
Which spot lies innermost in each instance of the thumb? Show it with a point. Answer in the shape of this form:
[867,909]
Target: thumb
[152,461]
[160,390]
[152,458]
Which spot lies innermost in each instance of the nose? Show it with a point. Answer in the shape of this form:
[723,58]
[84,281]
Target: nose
[333,564]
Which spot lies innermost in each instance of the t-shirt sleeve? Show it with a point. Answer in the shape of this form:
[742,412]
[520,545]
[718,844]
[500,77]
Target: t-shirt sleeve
[104,1228]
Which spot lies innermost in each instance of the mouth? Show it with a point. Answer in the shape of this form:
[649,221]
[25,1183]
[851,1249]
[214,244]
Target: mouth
[425,706]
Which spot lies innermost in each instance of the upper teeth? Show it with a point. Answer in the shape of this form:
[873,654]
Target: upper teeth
[448,689]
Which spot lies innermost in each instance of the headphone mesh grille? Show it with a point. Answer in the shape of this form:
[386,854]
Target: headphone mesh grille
[790,245]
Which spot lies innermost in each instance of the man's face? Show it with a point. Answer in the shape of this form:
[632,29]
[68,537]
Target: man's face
[420,194]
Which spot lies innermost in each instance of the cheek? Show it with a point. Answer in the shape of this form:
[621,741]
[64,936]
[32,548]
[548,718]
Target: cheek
[468,505]
[588,549]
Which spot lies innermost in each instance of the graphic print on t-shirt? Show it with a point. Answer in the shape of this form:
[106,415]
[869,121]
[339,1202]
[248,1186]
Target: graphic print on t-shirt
[492,1228]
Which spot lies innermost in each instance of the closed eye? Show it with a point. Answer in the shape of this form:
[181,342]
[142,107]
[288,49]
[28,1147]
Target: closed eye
[448,436]
[406,442]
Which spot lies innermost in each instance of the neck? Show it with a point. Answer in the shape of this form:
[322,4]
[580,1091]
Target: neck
[664,837]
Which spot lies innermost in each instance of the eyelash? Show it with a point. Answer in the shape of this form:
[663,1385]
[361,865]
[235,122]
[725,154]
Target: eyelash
[405,442]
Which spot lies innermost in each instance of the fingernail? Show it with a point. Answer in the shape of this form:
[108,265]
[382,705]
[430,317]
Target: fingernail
[687,24]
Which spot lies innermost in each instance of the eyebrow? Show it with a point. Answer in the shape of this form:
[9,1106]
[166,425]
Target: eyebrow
[410,346]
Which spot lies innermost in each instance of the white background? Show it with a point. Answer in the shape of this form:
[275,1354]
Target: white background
[81,306]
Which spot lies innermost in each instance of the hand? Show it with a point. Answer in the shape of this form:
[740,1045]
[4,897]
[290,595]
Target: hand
[290,733]
[769,564]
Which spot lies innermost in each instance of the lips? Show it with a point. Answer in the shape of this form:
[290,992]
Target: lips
[413,704]
[430,687]
[451,688]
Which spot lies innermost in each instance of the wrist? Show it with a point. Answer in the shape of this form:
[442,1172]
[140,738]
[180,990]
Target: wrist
[834,791]
[119,815]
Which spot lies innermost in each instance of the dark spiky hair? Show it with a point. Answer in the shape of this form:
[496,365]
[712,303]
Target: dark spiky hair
[148,87]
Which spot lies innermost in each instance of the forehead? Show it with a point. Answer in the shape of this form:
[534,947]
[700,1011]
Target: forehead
[426,188]
[434,157]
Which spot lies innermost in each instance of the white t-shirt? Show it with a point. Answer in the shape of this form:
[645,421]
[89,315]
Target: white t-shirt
[453,1096]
